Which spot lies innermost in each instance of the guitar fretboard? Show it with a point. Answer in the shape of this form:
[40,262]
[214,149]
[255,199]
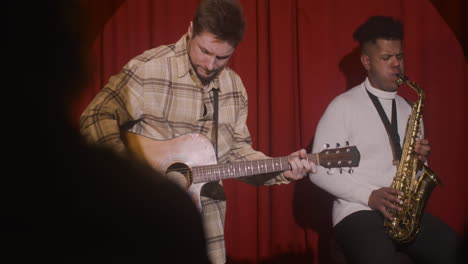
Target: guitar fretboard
[246,168]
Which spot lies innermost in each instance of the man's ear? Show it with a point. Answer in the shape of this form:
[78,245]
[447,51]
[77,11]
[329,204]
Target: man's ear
[190,29]
[365,60]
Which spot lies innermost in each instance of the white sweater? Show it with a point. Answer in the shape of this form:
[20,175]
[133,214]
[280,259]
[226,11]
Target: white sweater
[353,117]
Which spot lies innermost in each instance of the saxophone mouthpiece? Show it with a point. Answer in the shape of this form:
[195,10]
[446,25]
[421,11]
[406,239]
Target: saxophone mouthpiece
[401,78]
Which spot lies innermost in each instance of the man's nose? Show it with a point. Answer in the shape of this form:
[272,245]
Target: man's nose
[210,63]
[395,61]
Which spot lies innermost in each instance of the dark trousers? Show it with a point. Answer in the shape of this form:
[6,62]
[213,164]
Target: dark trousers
[363,239]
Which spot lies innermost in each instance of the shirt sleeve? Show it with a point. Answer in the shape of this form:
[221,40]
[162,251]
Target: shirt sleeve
[116,106]
[332,128]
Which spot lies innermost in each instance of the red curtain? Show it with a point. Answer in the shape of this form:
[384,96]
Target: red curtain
[296,56]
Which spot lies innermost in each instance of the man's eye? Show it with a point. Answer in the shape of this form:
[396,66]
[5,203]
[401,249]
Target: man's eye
[386,57]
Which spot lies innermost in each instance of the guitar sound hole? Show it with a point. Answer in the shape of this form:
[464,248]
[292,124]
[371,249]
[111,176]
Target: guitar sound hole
[180,174]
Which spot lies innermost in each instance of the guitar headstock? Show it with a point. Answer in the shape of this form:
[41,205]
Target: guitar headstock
[348,156]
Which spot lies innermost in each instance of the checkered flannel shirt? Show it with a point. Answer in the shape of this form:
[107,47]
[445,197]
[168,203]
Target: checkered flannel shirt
[158,95]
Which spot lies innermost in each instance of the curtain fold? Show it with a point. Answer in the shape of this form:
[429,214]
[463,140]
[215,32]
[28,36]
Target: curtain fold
[297,55]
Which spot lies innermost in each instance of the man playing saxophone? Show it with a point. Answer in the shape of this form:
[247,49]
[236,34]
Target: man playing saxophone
[374,117]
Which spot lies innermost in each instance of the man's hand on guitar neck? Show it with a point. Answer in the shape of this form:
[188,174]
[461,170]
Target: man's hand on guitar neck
[300,166]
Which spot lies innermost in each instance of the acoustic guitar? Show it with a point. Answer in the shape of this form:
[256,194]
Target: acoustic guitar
[190,160]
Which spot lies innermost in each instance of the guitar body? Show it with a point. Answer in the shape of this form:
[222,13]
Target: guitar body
[174,157]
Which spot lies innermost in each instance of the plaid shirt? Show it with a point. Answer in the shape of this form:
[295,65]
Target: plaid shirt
[158,95]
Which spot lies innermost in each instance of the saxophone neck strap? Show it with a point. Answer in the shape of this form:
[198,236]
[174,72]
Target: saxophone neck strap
[391,128]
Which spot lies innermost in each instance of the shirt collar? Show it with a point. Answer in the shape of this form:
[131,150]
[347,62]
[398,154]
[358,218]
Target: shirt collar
[183,63]
[379,93]
[185,67]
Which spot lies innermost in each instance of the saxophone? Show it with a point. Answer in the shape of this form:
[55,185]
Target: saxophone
[416,190]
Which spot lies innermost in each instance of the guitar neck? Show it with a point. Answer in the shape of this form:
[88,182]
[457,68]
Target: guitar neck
[245,168]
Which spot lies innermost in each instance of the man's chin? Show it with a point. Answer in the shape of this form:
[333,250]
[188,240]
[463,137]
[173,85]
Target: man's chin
[206,80]
[392,88]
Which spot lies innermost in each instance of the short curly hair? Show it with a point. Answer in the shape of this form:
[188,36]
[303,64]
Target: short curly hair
[378,27]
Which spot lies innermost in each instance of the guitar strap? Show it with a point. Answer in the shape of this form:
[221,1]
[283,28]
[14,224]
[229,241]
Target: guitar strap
[215,117]
[392,128]
[213,189]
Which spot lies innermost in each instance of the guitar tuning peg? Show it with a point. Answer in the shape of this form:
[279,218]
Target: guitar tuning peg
[326,145]
[329,171]
[337,145]
[347,143]
[350,170]
[341,170]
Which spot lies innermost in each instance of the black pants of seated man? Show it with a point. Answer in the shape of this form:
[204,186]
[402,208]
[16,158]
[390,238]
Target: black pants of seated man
[363,239]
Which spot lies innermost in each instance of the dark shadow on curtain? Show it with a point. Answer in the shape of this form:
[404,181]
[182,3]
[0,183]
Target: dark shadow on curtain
[287,258]
[312,209]
[455,14]
[351,67]
[97,14]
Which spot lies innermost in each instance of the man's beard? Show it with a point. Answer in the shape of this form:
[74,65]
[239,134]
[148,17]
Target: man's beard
[206,80]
